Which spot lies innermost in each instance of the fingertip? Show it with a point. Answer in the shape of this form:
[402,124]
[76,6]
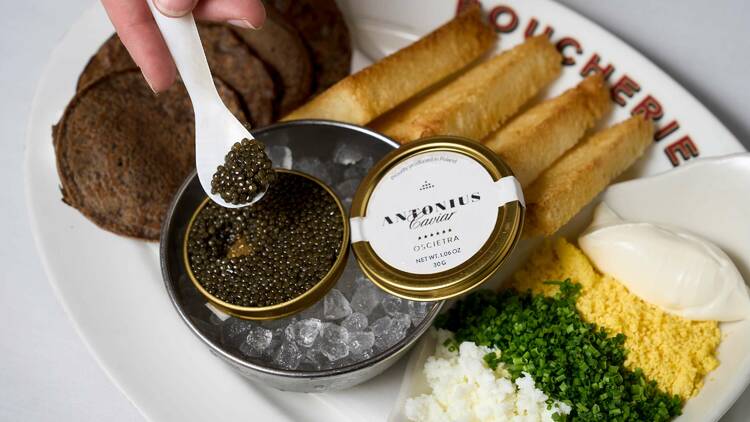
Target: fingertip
[138,32]
[259,16]
[160,80]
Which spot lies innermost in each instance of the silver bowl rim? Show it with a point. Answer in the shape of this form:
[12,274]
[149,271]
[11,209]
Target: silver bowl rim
[404,343]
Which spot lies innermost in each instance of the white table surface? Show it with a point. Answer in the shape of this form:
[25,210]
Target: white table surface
[46,372]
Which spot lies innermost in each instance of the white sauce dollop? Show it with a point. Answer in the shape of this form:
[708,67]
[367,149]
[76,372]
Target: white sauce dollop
[679,272]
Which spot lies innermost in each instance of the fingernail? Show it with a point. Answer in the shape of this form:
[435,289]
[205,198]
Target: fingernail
[243,23]
[174,8]
[149,84]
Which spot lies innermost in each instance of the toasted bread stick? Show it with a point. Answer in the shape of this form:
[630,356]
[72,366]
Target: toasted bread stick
[578,176]
[533,141]
[480,100]
[361,97]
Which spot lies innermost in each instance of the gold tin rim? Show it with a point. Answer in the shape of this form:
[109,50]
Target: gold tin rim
[289,307]
[470,274]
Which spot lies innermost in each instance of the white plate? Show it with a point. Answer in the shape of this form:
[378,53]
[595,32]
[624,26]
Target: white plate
[111,286]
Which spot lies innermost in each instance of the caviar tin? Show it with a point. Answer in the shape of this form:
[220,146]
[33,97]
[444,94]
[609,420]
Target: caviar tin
[435,218]
[289,307]
[308,139]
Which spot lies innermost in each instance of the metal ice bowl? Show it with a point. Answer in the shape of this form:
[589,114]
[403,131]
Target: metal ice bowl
[311,139]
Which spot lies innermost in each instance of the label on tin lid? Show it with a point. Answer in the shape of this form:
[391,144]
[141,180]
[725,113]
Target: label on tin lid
[433,211]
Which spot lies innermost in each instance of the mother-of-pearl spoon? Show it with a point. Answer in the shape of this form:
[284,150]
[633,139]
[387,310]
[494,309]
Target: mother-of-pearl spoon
[216,128]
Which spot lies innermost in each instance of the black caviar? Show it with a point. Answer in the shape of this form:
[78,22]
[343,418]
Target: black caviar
[246,173]
[270,252]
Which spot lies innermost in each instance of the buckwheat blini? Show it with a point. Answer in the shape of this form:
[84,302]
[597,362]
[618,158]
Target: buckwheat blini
[361,97]
[480,100]
[533,141]
[123,152]
[582,173]
[281,48]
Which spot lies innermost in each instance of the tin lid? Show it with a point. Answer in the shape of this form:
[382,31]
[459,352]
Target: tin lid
[436,218]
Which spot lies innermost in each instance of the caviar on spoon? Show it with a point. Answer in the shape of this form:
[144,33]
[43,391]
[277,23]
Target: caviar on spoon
[245,175]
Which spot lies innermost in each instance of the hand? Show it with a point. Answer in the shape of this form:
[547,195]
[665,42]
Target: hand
[136,27]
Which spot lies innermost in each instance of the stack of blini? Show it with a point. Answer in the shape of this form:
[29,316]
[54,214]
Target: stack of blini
[443,84]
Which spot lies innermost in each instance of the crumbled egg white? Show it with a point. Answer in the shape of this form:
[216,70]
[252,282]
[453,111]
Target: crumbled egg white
[465,389]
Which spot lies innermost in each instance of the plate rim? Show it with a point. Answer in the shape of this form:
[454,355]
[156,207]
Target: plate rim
[30,160]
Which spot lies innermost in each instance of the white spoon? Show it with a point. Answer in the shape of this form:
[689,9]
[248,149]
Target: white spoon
[216,128]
